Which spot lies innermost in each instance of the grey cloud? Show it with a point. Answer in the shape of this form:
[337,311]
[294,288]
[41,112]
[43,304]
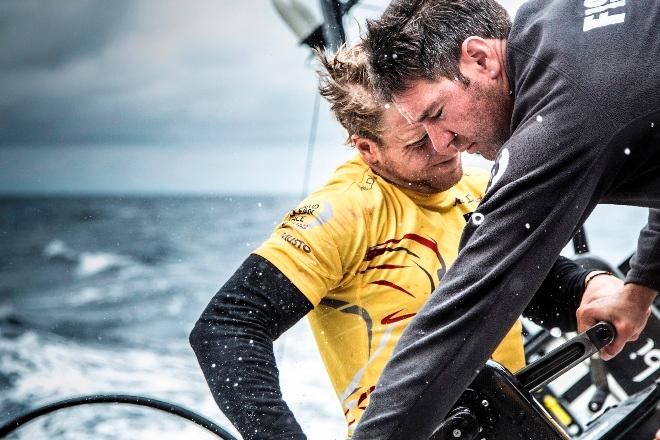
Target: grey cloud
[156,73]
[37,33]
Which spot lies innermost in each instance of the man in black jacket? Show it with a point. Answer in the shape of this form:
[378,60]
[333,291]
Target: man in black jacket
[567,100]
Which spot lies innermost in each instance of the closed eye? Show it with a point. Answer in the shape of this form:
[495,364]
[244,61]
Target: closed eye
[426,115]
[420,143]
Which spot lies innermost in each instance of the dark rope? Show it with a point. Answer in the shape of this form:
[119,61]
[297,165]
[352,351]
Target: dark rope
[167,407]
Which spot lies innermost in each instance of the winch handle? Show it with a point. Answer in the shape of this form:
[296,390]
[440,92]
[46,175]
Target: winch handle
[566,356]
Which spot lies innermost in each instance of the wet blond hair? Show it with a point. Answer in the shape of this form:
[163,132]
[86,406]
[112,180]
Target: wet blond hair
[344,82]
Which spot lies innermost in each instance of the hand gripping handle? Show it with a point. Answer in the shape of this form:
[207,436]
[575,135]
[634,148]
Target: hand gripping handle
[566,356]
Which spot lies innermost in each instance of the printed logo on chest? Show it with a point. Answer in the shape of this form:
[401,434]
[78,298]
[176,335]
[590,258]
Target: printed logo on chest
[601,13]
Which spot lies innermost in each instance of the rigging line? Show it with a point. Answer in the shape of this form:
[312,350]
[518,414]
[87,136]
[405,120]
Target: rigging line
[279,352]
[310,145]
[161,405]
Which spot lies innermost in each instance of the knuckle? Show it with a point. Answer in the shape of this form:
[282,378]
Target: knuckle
[625,329]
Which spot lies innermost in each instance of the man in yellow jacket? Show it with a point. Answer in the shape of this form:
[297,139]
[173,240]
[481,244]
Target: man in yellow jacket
[359,257]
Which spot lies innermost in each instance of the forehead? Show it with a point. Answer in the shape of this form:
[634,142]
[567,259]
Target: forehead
[397,128]
[423,97]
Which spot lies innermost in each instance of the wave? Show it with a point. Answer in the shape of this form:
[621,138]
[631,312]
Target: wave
[87,263]
[40,369]
[57,249]
[92,263]
[85,296]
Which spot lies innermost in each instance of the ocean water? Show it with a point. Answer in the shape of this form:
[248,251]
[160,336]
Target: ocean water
[98,295]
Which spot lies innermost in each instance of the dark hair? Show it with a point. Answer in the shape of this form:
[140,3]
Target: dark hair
[421,39]
[344,82]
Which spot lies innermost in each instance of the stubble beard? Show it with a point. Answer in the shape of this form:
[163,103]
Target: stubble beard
[429,185]
[499,105]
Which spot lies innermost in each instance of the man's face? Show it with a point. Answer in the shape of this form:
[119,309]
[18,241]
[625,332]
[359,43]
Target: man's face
[407,157]
[473,118]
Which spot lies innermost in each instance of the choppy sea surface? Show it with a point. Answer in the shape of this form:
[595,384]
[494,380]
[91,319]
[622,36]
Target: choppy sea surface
[98,295]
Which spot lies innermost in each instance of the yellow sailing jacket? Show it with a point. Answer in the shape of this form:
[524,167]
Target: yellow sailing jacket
[367,254]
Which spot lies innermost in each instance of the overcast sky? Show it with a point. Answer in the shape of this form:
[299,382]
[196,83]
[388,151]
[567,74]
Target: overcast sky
[159,96]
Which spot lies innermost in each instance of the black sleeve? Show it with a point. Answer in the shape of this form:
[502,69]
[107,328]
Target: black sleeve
[233,341]
[645,264]
[558,298]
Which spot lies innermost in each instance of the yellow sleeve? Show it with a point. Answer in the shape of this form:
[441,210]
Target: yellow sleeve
[319,244]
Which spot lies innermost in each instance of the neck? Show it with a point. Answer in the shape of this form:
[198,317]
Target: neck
[500,49]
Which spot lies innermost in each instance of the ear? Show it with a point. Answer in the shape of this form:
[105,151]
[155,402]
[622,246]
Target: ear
[367,149]
[478,56]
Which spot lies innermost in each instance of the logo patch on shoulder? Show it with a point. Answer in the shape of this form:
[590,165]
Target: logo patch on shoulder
[309,216]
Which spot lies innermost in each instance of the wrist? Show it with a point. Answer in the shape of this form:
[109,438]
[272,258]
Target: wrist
[640,293]
[594,274]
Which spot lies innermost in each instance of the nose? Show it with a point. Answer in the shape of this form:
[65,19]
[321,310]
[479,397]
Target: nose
[443,140]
